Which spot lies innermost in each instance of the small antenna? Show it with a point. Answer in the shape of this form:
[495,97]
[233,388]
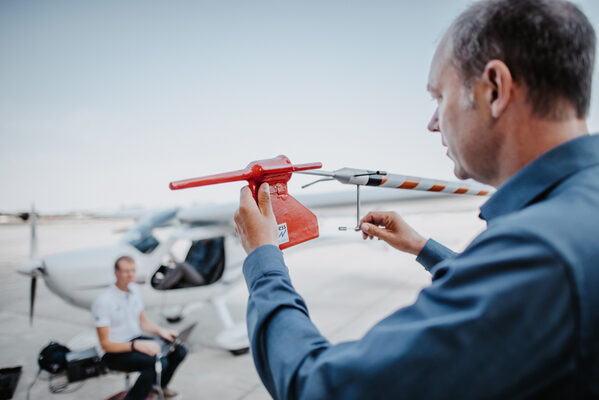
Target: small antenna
[316,181]
[357,227]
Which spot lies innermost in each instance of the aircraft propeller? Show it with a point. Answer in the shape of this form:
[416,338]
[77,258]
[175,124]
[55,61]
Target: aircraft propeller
[32,298]
[33,256]
[35,266]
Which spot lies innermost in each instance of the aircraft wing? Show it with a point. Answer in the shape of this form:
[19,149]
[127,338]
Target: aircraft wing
[211,214]
[202,232]
[132,213]
[215,214]
[367,196]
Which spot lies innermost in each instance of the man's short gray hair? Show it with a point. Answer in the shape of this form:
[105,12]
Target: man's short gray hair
[549,45]
[122,258]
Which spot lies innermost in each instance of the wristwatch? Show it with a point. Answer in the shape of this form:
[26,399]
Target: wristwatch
[133,345]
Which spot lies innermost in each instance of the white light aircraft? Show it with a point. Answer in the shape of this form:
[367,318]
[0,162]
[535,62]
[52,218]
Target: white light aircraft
[203,237]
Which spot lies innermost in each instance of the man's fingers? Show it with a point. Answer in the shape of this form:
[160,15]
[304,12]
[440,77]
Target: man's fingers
[236,225]
[237,220]
[264,199]
[246,203]
[245,196]
[375,218]
[373,230]
[367,218]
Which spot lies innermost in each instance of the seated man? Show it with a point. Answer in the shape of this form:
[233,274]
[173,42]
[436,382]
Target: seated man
[119,318]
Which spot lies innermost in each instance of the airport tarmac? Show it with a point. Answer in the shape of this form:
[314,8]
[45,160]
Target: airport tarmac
[348,287]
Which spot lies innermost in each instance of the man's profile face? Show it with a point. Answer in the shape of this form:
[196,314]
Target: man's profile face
[125,273]
[457,118]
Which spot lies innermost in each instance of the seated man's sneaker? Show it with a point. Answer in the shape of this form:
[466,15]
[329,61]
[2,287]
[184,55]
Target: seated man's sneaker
[168,393]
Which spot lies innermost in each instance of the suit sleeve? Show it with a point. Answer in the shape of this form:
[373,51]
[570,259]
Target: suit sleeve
[433,253]
[501,309]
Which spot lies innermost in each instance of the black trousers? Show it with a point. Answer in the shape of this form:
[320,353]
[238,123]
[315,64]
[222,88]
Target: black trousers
[135,361]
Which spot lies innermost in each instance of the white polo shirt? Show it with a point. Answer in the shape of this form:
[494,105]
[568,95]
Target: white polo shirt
[120,311]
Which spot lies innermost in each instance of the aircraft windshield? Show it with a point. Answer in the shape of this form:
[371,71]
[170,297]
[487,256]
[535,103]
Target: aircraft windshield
[140,235]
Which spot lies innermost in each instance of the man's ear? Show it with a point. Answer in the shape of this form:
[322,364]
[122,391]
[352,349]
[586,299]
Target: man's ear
[498,85]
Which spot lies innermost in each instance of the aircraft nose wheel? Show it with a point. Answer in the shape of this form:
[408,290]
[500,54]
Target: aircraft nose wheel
[174,319]
[240,352]
[234,339]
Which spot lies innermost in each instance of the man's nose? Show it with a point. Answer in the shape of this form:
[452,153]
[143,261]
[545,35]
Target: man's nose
[433,124]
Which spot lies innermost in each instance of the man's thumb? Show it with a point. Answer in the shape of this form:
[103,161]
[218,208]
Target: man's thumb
[264,199]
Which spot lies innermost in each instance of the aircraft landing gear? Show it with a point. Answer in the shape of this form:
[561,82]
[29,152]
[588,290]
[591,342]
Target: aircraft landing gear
[173,314]
[234,337]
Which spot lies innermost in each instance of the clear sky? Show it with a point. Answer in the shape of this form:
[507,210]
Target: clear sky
[102,103]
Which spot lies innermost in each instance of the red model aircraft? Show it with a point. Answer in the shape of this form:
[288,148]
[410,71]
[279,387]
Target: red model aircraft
[296,223]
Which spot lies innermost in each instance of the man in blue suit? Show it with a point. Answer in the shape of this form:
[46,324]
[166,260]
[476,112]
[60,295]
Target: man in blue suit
[516,314]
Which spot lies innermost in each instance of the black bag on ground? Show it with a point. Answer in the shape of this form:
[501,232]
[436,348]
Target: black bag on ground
[52,358]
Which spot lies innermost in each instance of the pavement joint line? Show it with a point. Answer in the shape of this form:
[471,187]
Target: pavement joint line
[42,317]
[249,392]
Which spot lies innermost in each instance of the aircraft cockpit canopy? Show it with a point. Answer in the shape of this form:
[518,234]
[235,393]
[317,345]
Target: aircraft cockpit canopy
[140,235]
[204,264]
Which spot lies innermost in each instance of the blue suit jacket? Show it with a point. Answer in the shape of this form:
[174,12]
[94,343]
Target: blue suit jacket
[515,315]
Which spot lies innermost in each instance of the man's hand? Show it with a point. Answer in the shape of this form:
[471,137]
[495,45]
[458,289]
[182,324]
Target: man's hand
[167,334]
[391,228]
[255,224]
[148,347]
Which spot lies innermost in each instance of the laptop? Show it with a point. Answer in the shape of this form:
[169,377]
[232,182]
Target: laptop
[169,347]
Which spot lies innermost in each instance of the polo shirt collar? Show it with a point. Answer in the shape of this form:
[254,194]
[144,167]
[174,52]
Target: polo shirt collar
[119,291]
[542,174]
